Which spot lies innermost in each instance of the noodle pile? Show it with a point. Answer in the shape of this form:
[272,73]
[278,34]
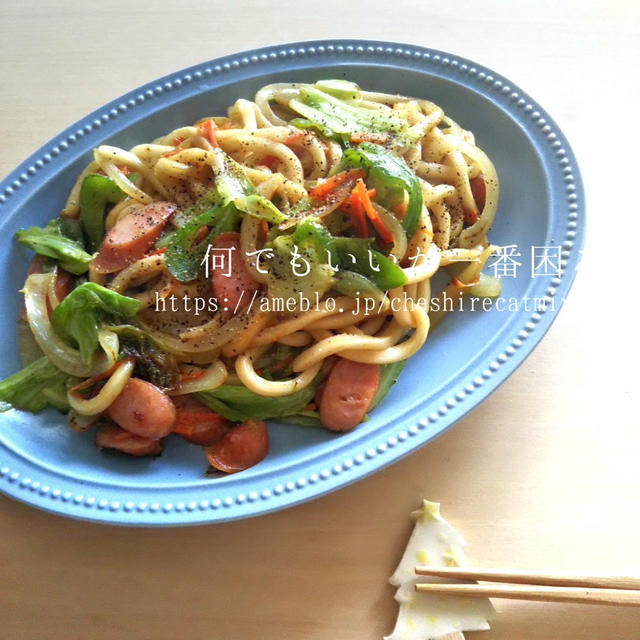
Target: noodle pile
[285,163]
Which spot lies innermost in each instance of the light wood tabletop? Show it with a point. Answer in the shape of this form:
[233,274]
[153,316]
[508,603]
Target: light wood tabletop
[543,475]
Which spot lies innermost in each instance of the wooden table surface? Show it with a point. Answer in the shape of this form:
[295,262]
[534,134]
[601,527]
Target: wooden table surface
[544,474]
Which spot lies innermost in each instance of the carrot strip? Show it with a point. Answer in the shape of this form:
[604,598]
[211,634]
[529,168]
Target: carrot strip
[191,375]
[357,213]
[156,252]
[101,376]
[263,231]
[464,285]
[321,191]
[360,191]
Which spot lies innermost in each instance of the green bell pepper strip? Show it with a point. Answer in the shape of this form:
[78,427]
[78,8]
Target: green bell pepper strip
[96,193]
[357,255]
[355,285]
[182,258]
[390,176]
[311,234]
[388,377]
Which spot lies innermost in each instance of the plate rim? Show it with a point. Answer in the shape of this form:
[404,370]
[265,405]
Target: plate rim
[22,479]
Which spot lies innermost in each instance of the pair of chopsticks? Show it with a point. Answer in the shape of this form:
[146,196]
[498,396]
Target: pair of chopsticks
[610,590]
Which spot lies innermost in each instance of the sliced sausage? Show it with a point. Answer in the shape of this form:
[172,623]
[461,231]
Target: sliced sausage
[232,284]
[110,436]
[347,394]
[196,423]
[64,282]
[240,448]
[144,410]
[479,191]
[132,236]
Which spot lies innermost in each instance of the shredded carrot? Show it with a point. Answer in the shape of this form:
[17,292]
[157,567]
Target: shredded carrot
[191,375]
[360,193]
[156,252]
[207,129]
[463,285]
[126,170]
[321,191]
[363,136]
[101,376]
[263,231]
[171,153]
[357,213]
[210,128]
[346,206]
[177,141]
[470,216]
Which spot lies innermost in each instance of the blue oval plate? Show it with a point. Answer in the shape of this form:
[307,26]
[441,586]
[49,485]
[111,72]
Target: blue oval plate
[44,464]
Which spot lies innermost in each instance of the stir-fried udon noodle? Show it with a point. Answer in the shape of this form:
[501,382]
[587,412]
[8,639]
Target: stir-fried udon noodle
[273,263]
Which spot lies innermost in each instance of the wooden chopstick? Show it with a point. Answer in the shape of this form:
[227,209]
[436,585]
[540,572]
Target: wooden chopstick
[624,597]
[530,577]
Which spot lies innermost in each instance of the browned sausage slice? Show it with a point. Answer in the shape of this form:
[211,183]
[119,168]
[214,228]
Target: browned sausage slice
[240,448]
[232,283]
[144,410]
[347,394]
[110,436]
[132,236]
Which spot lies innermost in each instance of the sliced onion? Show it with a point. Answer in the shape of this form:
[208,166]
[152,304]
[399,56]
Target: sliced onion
[487,287]
[59,352]
[107,395]
[213,377]
[110,344]
[397,231]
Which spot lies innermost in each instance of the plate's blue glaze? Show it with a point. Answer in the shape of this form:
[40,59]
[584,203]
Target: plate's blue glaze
[542,203]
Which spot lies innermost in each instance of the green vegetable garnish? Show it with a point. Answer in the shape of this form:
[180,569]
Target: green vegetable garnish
[357,255]
[219,210]
[339,119]
[96,193]
[153,363]
[78,316]
[51,242]
[35,387]
[311,234]
[239,403]
[388,377]
[390,176]
[183,257]
[283,281]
